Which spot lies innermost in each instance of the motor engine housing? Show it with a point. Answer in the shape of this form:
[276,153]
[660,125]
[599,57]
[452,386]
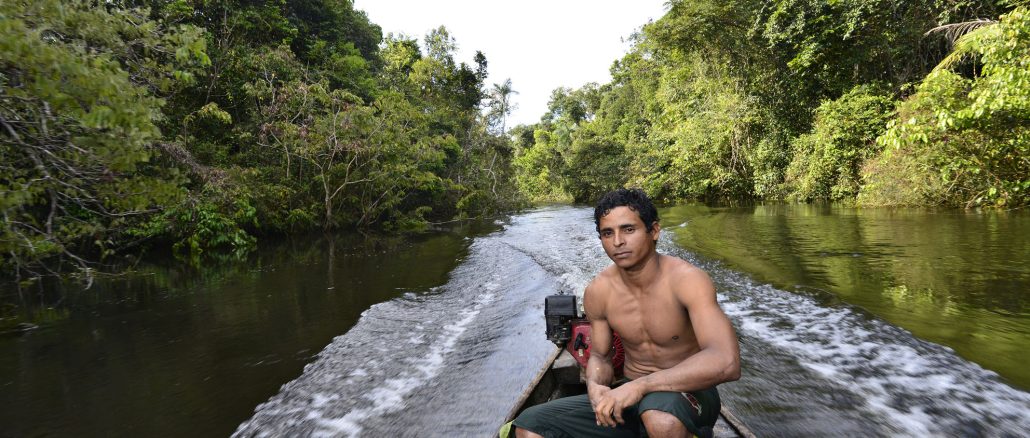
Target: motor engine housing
[559,311]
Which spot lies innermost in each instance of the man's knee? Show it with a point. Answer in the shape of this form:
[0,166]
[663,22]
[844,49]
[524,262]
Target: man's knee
[532,416]
[663,425]
[523,433]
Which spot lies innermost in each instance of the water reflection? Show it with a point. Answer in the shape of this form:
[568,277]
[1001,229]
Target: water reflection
[175,350]
[955,278]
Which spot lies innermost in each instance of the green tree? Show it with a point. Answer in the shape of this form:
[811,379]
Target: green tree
[750,98]
[80,90]
[539,170]
[500,106]
[963,140]
[596,165]
[364,160]
[827,162]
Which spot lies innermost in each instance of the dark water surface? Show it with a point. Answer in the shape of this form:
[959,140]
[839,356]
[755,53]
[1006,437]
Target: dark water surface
[436,336]
[176,351]
[960,279]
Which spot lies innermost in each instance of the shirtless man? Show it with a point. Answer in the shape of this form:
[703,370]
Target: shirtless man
[678,342]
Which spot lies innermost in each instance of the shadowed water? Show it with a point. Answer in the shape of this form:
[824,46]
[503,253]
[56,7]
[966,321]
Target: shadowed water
[178,351]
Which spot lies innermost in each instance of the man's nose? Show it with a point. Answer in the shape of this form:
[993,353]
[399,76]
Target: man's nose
[618,239]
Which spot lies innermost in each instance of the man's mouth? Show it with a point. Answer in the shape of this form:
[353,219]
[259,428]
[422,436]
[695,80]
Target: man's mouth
[622,254]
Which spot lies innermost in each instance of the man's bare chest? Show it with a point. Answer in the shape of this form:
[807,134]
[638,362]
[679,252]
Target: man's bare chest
[651,320]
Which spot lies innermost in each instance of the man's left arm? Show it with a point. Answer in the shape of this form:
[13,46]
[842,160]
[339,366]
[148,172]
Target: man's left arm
[717,361]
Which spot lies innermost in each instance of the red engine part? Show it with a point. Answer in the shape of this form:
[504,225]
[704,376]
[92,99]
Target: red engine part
[579,346]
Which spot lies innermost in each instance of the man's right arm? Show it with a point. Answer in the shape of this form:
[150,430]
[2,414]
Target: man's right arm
[600,372]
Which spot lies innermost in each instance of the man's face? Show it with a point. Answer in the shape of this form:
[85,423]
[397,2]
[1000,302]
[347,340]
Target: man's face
[625,238]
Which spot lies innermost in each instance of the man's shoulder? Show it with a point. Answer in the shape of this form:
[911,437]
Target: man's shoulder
[680,268]
[602,282]
[595,296]
[685,277]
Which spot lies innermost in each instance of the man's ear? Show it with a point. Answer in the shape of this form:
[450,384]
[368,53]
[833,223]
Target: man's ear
[656,229]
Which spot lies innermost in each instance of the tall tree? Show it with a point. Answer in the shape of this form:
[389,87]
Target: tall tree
[80,90]
[500,106]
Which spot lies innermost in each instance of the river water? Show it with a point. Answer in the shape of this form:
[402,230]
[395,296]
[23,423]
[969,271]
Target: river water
[437,336]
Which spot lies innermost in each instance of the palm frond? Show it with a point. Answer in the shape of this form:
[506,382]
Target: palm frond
[969,44]
[953,31]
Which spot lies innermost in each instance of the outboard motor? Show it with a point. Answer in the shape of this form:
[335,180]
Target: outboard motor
[579,346]
[559,311]
[564,323]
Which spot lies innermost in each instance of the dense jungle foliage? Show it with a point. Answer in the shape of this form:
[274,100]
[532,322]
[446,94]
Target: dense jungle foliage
[198,125]
[879,102]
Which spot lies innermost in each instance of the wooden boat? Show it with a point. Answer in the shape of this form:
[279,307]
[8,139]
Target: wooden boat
[560,377]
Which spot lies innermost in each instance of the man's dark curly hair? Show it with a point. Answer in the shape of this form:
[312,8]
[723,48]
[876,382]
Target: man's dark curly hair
[635,199]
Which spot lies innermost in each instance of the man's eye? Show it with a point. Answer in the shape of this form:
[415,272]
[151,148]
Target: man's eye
[629,230]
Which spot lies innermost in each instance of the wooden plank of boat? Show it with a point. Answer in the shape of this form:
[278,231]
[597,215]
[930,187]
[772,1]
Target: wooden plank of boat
[521,403]
[560,377]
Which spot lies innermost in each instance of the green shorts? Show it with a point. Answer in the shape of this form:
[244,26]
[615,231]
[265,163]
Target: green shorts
[573,417]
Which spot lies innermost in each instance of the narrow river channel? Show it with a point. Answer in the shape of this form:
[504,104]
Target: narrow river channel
[437,335]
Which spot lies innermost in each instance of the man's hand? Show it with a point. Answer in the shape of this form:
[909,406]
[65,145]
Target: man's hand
[595,391]
[609,403]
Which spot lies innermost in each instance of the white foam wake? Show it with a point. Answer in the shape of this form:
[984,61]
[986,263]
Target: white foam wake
[923,388]
[311,404]
[390,396]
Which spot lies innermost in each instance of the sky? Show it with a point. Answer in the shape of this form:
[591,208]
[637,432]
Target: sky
[541,45]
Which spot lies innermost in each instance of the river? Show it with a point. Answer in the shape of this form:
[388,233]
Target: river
[437,335]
